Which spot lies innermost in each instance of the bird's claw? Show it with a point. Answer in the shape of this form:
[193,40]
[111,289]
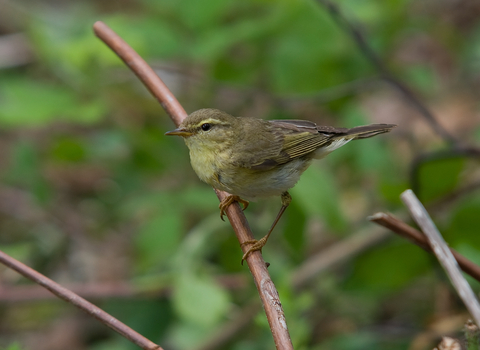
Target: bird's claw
[256,245]
[225,203]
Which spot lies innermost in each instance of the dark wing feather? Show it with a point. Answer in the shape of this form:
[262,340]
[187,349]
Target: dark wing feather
[301,137]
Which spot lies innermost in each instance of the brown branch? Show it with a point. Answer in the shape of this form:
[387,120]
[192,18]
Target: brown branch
[418,238]
[337,253]
[323,260]
[377,63]
[79,302]
[142,70]
[443,253]
[258,268]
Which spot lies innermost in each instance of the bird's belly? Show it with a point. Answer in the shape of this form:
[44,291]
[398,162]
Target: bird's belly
[250,184]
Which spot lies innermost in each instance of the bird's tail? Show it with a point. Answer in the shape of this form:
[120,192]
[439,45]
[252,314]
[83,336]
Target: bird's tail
[342,136]
[366,131]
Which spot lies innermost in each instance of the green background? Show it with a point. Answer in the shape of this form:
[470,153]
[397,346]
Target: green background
[93,194]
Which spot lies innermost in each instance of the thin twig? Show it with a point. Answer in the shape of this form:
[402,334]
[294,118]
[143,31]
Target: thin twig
[142,70]
[258,268]
[326,258]
[443,253]
[79,302]
[375,60]
[418,238]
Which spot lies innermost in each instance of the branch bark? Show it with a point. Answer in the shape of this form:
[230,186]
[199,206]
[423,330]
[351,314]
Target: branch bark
[266,288]
[418,238]
[443,253]
[82,304]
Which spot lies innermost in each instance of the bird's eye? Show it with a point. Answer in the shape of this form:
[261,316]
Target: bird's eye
[206,127]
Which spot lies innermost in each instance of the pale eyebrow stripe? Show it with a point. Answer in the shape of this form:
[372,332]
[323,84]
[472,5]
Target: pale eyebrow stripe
[211,121]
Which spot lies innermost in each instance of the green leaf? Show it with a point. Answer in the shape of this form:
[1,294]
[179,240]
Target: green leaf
[437,178]
[386,268]
[199,299]
[463,228]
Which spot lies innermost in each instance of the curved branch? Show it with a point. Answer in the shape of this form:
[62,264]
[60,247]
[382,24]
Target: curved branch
[258,268]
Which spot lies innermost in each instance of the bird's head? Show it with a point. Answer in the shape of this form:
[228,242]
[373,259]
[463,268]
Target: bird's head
[206,127]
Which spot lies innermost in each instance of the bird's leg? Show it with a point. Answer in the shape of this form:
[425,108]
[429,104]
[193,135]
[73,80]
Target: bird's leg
[225,203]
[258,245]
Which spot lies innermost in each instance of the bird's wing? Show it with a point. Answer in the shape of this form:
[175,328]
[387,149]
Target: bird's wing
[281,142]
[259,144]
[301,137]
[286,140]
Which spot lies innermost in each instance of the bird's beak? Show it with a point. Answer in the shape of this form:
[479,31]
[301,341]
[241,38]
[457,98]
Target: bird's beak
[179,132]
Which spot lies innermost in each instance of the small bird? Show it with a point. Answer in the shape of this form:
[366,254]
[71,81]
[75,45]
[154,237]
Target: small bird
[251,158]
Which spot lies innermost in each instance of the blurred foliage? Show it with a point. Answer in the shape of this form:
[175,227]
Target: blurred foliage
[93,193]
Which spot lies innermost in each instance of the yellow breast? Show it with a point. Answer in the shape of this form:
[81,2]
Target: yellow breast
[207,161]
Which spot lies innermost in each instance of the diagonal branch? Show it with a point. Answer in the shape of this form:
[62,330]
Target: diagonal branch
[82,304]
[418,238]
[258,268]
[443,253]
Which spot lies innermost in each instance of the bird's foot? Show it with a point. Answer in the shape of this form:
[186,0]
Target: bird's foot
[256,245]
[225,203]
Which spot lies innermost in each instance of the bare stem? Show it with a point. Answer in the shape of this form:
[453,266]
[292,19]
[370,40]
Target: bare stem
[335,254]
[418,238]
[443,253]
[258,268]
[79,302]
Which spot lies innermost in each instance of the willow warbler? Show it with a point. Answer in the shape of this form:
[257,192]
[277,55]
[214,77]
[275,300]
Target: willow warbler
[251,158]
